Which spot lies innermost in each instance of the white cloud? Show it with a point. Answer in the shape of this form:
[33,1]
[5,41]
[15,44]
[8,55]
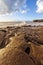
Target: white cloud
[39,4]
[24,11]
[9,6]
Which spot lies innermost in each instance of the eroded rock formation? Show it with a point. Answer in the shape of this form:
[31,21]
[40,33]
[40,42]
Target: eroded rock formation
[22,46]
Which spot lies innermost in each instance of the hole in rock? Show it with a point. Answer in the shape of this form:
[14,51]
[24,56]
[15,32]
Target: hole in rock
[27,50]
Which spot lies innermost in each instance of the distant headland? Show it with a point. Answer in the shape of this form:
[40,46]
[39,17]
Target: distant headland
[41,20]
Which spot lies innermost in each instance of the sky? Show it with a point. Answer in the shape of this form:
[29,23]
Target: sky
[21,10]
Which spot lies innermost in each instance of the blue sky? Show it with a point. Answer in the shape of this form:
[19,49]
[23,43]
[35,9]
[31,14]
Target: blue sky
[21,10]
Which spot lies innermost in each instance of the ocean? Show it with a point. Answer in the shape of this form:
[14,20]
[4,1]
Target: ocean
[5,24]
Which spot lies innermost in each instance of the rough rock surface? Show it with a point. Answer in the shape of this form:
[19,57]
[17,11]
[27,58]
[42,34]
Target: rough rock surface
[12,54]
[22,46]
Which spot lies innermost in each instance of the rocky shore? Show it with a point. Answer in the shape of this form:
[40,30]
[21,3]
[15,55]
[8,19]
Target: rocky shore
[21,45]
